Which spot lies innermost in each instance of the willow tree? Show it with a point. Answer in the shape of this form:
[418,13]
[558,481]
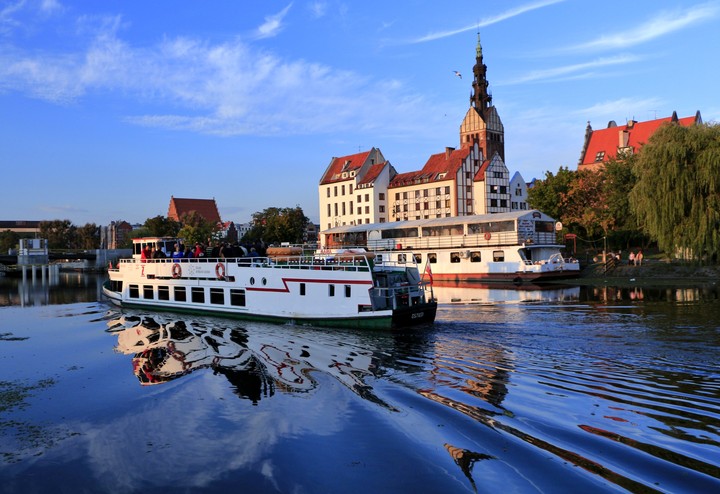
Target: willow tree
[677,195]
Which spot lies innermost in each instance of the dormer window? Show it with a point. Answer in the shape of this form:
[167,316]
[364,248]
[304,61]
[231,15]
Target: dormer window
[599,156]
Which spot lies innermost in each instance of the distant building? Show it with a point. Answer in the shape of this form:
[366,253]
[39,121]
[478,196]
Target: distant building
[20,226]
[616,142]
[115,235]
[204,207]
[518,193]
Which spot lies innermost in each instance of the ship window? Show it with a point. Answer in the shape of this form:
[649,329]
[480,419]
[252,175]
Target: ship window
[217,296]
[198,294]
[402,259]
[134,292]
[180,295]
[454,257]
[418,258]
[348,291]
[148,292]
[498,256]
[163,293]
[302,288]
[237,297]
[331,290]
[475,256]
[432,258]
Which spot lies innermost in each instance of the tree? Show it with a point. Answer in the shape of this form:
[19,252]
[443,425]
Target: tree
[195,228]
[61,234]
[88,236]
[546,195]
[677,194]
[584,206]
[160,226]
[275,225]
[8,240]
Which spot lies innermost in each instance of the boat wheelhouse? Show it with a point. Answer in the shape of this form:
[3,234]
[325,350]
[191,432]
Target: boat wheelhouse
[507,247]
[346,289]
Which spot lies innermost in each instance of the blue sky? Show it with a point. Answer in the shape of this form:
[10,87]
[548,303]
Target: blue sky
[107,108]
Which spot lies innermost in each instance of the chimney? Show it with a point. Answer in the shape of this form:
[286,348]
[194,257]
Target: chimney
[631,123]
[448,152]
[623,136]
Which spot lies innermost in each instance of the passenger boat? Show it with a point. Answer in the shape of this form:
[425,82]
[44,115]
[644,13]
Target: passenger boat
[341,290]
[513,247]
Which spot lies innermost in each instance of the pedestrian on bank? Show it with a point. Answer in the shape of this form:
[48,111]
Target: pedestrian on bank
[639,258]
[631,258]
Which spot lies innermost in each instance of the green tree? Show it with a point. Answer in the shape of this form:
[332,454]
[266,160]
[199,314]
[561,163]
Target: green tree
[161,226]
[677,195]
[546,195]
[583,205]
[88,236]
[195,228]
[61,234]
[275,225]
[8,240]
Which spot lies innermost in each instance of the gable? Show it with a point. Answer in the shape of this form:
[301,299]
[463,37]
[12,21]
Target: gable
[206,208]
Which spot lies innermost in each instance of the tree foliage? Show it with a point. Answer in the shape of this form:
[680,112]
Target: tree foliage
[275,225]
[195,228]
[8,240]
[61,234]
[161,226]
[546,194]
[677,194]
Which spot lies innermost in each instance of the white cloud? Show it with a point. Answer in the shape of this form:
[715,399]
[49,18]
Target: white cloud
[662,24]
[318,9]
[272,25]
[575,71]
[623,108]
[508,14]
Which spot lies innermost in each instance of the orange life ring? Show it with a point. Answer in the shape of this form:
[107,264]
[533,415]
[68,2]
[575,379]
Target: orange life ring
[176,271]
[488,235]
[220,271]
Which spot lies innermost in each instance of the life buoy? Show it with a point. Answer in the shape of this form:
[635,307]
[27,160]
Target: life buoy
[488,235]
[220,271]
[176,271]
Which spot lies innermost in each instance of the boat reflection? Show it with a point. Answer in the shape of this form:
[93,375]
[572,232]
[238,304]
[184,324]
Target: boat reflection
[257,363]
[497,293]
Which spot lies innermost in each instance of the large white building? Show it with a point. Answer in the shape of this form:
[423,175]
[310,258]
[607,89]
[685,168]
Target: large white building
[473,179]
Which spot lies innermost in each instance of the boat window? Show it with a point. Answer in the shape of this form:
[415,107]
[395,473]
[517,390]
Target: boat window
[491,226]
[402,258]
[198,294]
[454,257]
[498,256]
[134,292]
[432,257]
[442,231]
[180,295]
[475,256]
[544,226]
[399,233]
[418,258]
[237,297]
[217,296]
[302,288]
[348,291]
[163,293]
[331,290]
[148,292]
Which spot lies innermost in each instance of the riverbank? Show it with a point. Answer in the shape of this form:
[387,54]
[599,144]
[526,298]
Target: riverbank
[652,272]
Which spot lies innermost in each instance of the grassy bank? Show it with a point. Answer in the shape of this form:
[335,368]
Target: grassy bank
[652,272]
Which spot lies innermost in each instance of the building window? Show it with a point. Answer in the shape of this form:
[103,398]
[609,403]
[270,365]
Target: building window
[381,196]
[350,189]
[447,189]
[600,156]
[503,203]
[343,209]
[328,191]
[503,189]
[367,209]
[335,191]
[329,209]
[367,197]
[359,210]
[336,209]
[359,198]
[493,203]
[381,209]
[397,196]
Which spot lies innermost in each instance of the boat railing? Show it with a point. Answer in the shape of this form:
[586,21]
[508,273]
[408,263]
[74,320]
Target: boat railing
[487,239]
[405,295]
[348,263]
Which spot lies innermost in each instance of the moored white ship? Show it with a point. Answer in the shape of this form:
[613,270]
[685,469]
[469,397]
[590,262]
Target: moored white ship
[514,247]
[348,289]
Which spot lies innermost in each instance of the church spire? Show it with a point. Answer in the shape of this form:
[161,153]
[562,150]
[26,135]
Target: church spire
[480,98]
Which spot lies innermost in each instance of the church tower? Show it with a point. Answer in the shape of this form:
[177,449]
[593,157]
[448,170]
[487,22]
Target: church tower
[482,124]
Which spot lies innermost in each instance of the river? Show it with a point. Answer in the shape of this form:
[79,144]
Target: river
[565,389]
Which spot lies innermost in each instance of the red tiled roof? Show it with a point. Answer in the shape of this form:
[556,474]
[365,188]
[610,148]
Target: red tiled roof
[372,173]
[204,207]
[480,175]
[607,141]
[342,164]
[447,162]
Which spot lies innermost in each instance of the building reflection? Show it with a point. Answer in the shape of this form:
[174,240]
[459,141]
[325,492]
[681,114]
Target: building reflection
[48,284]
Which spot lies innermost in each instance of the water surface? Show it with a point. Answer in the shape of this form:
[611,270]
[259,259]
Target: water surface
[568,389]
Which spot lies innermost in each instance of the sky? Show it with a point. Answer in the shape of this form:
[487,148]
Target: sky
[107,109]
